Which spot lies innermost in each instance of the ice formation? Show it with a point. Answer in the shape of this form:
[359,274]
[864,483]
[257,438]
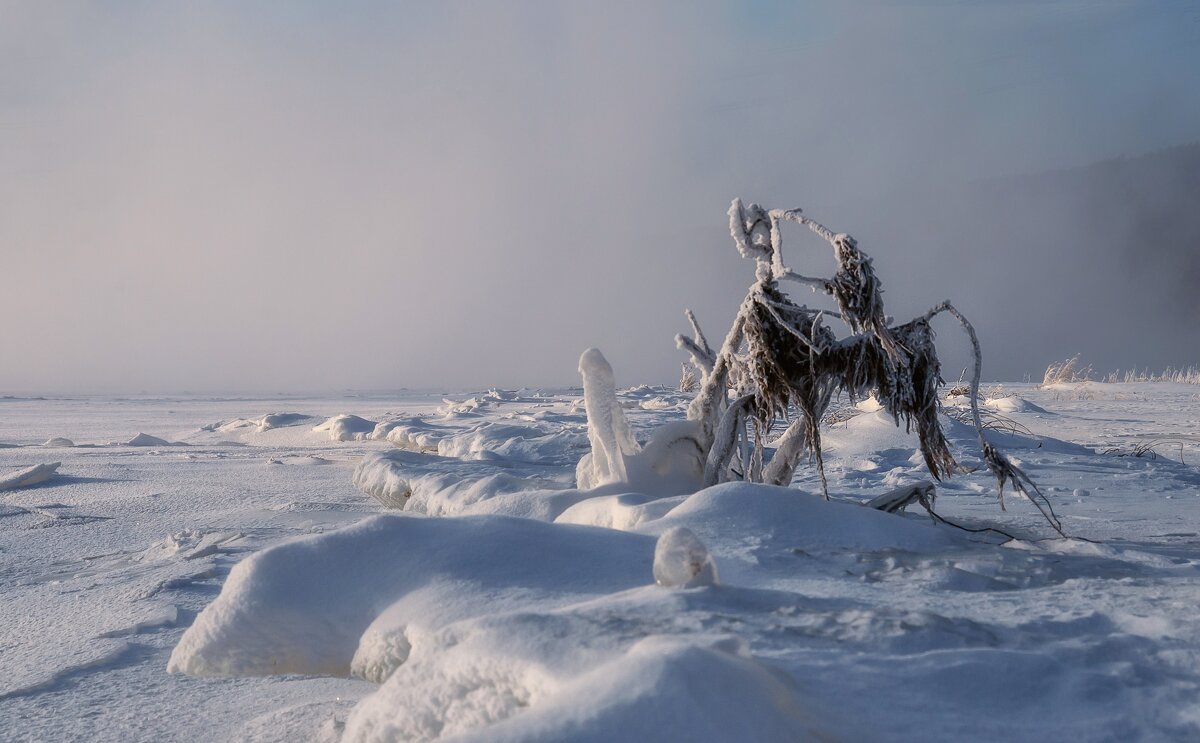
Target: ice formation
[346,427]
[608,431]
[28,476]
[682,561]
[668,464]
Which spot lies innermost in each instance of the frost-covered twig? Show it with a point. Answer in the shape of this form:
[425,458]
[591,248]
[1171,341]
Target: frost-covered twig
[708,404]
[697,346]
[698,335]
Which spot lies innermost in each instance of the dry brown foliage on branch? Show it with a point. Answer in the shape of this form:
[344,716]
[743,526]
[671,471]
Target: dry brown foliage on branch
[781,365]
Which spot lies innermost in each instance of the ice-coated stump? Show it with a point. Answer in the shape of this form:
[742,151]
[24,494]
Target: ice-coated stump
[608,431]
[682,561]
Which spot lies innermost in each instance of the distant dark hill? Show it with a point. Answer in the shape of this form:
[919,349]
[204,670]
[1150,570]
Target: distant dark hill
[1102,260]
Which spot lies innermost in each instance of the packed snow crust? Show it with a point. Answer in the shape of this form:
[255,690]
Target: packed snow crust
[445,576]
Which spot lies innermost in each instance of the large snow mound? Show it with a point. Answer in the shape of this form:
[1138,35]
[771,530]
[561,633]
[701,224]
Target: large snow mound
[505,628]
[302,607]
[780,518]
[501,629]
[487,682]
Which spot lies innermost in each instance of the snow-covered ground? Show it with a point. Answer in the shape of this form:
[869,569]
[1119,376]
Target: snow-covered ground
[411,568]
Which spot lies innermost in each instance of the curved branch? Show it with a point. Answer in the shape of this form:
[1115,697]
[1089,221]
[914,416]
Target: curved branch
[1001,467]
[795,215]
[702,360]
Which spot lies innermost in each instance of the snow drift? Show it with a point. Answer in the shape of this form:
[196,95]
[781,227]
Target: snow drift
[488,626]
[346,427]
[303,606]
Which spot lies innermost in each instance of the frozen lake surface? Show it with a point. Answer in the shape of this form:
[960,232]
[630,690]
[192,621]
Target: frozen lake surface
[492,601]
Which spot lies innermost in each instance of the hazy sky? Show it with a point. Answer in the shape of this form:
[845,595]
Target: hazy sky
[288,195]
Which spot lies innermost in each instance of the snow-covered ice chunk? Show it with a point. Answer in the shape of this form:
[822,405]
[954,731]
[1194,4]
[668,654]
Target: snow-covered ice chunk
[381,477]
[682,561]
[145,439]
[346,427]
[528,441]
[441,486]
[34,475]
[281,420]
[263,423]
[470,408]
[657,403]
[525,442]
[415,434]
[189,544]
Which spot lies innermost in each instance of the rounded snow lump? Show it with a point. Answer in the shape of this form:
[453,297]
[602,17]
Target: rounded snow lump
[58,441]
[682,561]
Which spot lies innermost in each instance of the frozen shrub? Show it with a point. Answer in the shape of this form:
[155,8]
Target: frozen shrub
[1066,372]
[687,380]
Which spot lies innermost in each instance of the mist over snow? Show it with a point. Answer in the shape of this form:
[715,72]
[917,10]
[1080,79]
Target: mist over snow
[301,196]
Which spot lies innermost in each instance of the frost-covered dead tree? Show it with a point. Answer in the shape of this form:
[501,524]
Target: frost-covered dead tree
[781,365]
